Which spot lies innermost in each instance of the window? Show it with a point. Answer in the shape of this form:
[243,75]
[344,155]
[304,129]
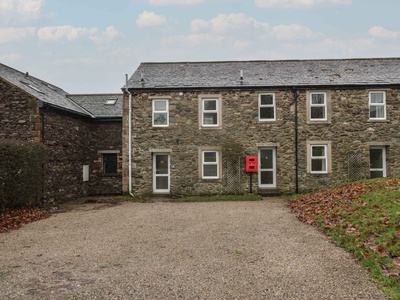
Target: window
[210,165]
[111,101]
[377,158]
[110,163]
[266,107]
[210,112]
[318,106]
[85,173]
[377,105]
[319,159]
[160,113]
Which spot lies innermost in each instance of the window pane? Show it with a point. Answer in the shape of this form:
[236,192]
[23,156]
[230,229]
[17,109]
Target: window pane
[210,119]
[376,97]
[318,98]
[318,165]
[267,100]
[266,159]
[210,156]
[160,105]
[376,174]
[376,158]
[318,112]
[377,111]
[267,113]
[210,104]
[267,177]
[160,118]
[162,182]
[210,171]
[110,163]
[318,151]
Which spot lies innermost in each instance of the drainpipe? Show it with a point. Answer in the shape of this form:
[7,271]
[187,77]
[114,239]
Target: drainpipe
[129,136]
[296,137]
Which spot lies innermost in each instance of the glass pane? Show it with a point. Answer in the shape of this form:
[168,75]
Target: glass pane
[317,98]
[110,164]
[160,118]
[161,164]
[267,177]
[210,171]
[318,112]
[210,104]
[318,151]
[160,105]
[376,97]
[210,119]
[376,158]
[376,174]
[318,165]
[267,99]
[266,159]
[377,111]
[210,156]
[266,113]
[162,183]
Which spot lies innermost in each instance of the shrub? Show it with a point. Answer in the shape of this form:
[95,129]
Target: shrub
[21,174]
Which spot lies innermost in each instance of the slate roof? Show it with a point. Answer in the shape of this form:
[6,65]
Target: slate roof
[280,73]
[97,105]
[41,90]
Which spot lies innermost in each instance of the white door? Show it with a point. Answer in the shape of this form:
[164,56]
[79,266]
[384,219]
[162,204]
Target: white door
[161,173]
[377,157]
[267,168]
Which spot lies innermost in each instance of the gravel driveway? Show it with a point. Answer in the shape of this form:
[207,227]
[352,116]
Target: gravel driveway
[232,250]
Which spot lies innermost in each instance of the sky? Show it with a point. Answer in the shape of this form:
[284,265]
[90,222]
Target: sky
[87,46]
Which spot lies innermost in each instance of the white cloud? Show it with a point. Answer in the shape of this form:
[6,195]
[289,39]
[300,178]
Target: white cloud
[148,18]
[13,34]
[380,32]
[67,32]
[20,10]
[106,36]
[298,3]
[10,57]
[223,23]
[293,32]
[174,2]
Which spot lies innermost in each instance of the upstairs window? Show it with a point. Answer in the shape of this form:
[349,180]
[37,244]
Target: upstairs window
[318,107]
[110,163]
[210,112]
[266,107]
[160,113]
[210,165]
[377,106]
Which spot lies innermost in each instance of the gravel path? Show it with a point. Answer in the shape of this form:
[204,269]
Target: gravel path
[233,250]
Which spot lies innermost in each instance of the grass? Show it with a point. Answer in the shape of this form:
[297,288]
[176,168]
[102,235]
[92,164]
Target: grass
[246,197]
[369,227]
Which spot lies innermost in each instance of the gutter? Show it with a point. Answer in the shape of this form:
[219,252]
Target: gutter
[129,136]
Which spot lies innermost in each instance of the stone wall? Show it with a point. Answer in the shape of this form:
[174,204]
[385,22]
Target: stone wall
[348,130]
[19,114]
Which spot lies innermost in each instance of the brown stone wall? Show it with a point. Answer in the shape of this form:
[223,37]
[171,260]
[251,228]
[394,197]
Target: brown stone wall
[19,114]
[73,141]
[348,130]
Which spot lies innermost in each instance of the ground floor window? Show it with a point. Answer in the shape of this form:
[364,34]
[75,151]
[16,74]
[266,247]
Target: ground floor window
[110,163]
[319,157]
[210,165]
[377,158]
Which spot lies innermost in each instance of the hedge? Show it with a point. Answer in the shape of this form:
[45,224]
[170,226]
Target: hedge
[21,174]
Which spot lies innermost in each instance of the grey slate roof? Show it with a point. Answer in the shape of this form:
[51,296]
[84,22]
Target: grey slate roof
[96,104]
[41,90]
[289,73]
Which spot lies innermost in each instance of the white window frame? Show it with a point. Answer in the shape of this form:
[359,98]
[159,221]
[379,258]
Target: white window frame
[370,104]
[204,163]
[154,111]
[383,169]
[325,157]
[217,111]
[260,106]
[325,106]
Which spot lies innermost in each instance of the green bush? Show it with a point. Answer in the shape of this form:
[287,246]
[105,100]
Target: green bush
[21,174]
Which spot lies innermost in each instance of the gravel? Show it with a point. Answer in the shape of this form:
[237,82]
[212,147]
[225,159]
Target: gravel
[214,250]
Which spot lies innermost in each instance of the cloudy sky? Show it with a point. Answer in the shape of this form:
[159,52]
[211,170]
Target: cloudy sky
[87,46]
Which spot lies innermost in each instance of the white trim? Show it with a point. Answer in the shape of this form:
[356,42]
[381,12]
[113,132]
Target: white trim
[273,105]
[324,157]
[154,111]
[383,169]
[273,185]
[383,104]
[325,106]
[204,163]
[161,191]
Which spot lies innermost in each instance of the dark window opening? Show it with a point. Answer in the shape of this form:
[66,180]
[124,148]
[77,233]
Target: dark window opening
[110,163]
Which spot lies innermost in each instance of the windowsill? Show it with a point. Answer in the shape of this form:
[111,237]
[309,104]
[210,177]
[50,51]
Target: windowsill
[319,122]
[111,175]
[266,121]
[378,121]
[205,180]
[210,127]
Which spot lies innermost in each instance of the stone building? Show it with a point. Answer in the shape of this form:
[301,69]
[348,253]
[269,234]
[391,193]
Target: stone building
[82,134]
[311,123]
